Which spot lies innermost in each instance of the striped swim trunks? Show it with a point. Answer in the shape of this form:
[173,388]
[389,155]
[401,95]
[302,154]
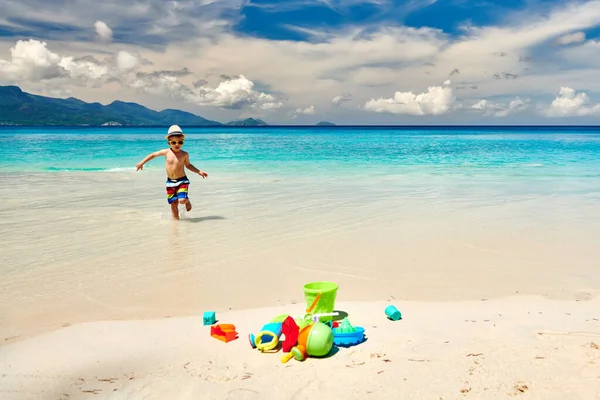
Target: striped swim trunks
[177,189]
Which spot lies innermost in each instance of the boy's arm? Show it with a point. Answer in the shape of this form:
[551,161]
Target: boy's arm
[149,157]
[189,166]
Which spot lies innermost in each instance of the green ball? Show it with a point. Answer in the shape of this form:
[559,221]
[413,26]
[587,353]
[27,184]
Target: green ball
[320,340]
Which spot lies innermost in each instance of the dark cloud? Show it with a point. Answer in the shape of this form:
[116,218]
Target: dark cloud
[505,75]
[345,97]
[90,59]
[155,74]
[151,22]
[455,71]
[200,83]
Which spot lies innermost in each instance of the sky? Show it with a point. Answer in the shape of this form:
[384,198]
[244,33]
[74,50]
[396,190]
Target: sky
[305,61]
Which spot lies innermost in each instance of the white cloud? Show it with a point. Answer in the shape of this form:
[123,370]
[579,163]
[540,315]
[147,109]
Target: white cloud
[568,103]
[103,31]
[127,61]
[570,38]
[32,61]
[307,111]
[271,106]
[345,97]
[436,101]
[501,109]
[586,54]
[187,41]
[230,93]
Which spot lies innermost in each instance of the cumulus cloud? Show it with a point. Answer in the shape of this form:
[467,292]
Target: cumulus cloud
[571,38]
[127,61]
[306,111]
[271,106]
[103,31]
[500,109]
[32,61]
[232,93]
[365,62]
[568,103]
[436,101]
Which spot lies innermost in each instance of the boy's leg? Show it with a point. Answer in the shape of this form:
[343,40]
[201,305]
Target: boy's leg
[175,210]
[172,200]
[182,196]
[188,204]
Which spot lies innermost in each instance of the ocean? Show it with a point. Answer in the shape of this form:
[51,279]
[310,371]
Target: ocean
[434,213]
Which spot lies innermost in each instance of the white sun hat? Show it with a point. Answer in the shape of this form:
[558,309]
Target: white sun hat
[175,130]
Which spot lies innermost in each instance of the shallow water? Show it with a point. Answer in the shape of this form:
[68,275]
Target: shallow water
[425,215]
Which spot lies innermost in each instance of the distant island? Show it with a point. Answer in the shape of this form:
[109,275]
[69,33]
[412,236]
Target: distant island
[325,123]
[21,108]
[248,122]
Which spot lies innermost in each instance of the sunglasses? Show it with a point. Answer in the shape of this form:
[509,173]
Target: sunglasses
[174,142]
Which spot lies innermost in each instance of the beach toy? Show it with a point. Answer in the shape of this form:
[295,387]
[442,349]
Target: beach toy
[223,332]
[323,295]
[297,352]
[314,304]
[393,313]
[209,318]
[268,337]
[291,331]
[347,335]
[317,339]
[280,318]
[309,319]
[267,345]
[346,327]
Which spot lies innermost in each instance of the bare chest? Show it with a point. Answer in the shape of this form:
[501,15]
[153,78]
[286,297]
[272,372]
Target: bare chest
[175,159]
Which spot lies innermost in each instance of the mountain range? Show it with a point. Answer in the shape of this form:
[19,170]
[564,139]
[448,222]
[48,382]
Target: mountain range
[21,108]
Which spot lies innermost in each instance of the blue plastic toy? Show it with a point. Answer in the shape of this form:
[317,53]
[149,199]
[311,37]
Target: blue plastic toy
[347,335]
[209,318]
[268,336]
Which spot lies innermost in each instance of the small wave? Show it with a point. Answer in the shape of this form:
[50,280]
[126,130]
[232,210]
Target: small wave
[131,169]
[87,169]
[533,165]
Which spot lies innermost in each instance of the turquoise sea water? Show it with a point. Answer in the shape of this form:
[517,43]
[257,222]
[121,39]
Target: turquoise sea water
[563,151]
[536,153]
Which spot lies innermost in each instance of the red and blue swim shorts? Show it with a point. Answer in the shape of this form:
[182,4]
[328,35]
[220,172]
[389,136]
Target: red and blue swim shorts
[177,189]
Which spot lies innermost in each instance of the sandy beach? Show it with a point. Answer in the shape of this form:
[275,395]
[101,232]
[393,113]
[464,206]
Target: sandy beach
[519,347]
[102,295]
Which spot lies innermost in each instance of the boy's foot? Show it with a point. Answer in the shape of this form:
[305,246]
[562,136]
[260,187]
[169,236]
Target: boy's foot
[188,206]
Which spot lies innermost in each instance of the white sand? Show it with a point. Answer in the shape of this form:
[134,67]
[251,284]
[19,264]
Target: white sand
[517,347]
[95,253]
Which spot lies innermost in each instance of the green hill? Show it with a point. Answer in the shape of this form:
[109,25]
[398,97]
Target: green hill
[21,108]
[248,122]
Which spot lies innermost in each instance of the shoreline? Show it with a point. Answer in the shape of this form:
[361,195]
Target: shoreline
[499,348]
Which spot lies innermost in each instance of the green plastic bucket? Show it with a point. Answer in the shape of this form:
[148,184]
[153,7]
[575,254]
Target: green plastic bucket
[326,303]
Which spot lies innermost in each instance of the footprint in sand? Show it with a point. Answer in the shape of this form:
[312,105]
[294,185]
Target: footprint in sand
[519,388]
[219,379]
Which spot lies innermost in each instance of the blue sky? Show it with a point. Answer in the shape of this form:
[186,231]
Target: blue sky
[303,61]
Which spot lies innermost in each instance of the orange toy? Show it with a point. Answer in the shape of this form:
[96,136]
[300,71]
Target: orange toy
[223,332]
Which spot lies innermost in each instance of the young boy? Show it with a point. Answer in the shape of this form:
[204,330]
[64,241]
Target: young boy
[176,161]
